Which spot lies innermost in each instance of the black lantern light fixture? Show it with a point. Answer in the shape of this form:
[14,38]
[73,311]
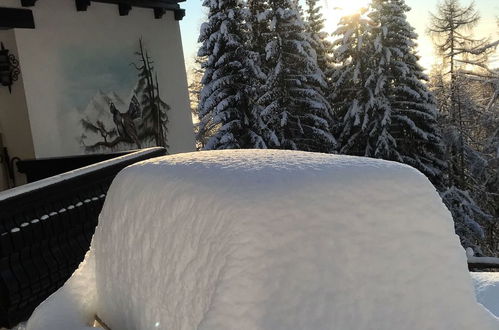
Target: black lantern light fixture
[9,68]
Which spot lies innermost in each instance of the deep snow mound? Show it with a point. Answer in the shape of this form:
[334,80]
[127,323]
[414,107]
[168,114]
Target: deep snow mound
[278,240]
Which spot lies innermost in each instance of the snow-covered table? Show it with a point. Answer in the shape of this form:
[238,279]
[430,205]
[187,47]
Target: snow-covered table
[273,240]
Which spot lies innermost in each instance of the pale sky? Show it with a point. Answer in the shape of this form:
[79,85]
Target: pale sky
[418,17]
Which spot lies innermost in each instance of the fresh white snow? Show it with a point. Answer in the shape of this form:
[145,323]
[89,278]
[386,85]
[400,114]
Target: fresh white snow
[487,290]
[275,240]
[72,307]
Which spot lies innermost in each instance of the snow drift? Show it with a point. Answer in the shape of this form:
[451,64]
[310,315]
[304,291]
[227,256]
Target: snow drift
[273,240]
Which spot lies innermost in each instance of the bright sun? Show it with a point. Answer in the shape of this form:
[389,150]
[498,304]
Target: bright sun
[333,10]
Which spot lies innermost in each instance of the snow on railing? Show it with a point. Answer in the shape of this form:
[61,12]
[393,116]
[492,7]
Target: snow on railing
[78,172]
[477,263]
[45,217]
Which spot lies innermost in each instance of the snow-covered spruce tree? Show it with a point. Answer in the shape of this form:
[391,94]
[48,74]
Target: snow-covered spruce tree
[352,99]
[225,106]
[294,107]
[258,12]
[299,8]
[259,25]
[407,127]
[412,114]
[318,38]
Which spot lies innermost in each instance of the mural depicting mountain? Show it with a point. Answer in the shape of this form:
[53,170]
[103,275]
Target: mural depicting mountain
[100,128]
[98,107]
[111,122]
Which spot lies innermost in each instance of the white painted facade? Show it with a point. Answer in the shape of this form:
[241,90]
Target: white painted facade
[72,56]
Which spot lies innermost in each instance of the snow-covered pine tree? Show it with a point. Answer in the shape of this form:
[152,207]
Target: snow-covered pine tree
[318,38]
[259,24]
[351,97]
[225,106]
[294,107]
[299,8]
[407,128]
[258,12]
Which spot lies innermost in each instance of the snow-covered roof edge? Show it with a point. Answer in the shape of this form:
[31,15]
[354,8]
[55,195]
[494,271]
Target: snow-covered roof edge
[72,174]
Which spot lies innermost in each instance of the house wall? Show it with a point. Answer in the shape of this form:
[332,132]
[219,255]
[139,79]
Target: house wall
[75,64]
[15,132]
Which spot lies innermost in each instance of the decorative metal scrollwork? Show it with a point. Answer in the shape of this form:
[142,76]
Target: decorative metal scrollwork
[9,68]
[15,71]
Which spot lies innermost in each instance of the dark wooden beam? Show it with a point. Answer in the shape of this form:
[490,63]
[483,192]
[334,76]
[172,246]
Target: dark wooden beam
[82,5]
[159,6]
[124,9]
[164,4]
[126,5]
[28,3]
[16,18]
[179,14]
[159,12]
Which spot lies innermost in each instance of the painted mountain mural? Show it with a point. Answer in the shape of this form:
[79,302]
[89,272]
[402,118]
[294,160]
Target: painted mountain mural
[113,122]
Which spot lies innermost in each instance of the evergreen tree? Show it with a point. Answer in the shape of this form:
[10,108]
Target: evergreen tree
[259,28]
[408,131]
[258,11]
[296,4]
[351,97]
[225,105]
[385,109]
[318,38]
[294,109]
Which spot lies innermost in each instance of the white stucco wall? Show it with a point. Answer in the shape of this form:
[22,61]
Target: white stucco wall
[51,54]
[14,122]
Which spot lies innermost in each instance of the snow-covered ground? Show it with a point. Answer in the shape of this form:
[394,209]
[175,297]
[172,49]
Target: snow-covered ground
[271,240]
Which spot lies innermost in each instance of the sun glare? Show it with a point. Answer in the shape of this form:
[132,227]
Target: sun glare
[333,10]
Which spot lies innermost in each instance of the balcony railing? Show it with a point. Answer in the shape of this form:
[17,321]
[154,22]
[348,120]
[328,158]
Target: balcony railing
[45,230]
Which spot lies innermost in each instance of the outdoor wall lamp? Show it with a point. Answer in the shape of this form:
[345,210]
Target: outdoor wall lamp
[9,68]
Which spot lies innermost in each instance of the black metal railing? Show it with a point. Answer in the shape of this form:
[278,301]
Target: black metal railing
[480,264]
[41,168]
[45,231]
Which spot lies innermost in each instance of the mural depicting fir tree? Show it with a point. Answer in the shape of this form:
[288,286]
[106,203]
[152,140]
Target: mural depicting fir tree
[154,117]
[142,124]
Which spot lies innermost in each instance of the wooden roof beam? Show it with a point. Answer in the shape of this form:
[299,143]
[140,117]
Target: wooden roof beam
[16,18]
[28,3]
[124,6]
